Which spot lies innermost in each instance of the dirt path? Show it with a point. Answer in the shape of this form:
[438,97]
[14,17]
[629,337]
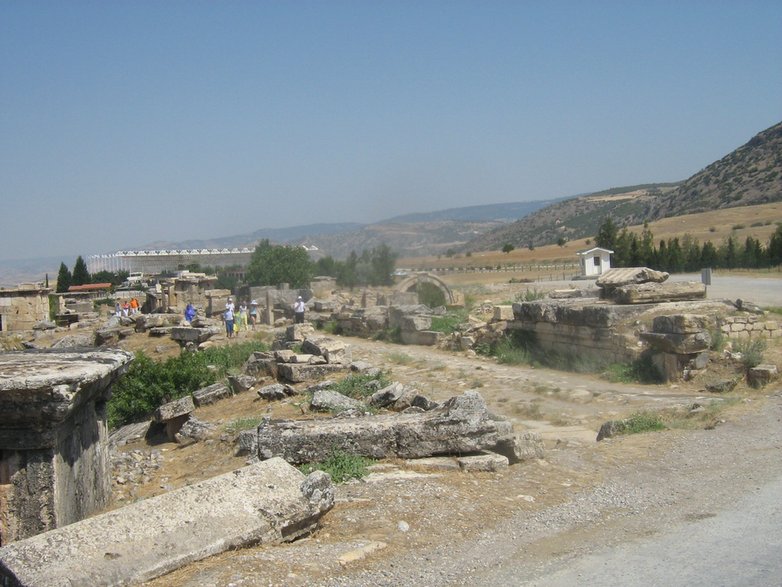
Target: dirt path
[404,525]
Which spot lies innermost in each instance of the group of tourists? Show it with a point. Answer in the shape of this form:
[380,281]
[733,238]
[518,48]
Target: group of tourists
[127,307]
[246,316]
[243,318]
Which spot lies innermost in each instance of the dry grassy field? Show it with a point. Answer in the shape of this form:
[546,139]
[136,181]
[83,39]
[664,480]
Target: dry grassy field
[555,262]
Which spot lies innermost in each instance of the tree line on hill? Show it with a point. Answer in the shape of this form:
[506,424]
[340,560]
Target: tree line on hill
[273,264]
[686,254]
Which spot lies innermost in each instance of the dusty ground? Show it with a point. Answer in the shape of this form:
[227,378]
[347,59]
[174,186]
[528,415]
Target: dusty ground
[402,516]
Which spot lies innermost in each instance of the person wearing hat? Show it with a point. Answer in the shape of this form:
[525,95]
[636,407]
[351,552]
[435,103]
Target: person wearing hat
[298,311]
[253,314]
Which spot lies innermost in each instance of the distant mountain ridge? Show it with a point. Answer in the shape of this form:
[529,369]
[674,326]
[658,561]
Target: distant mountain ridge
[749,175]
[409,235]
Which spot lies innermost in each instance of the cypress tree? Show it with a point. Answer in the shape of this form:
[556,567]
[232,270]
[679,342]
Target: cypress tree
[63,279]
[80,273]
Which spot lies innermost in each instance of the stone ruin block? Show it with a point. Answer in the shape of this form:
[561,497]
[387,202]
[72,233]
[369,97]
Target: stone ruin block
[762,375]
[211,394]
[263,503]
[461,425]
[653,293]
[174,414]
[54,461]
[298,372]
[680,324]
[503,313]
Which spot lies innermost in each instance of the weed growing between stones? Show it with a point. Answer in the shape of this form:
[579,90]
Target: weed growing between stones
[400,358]
[341,466]
[360,386]
[236,426]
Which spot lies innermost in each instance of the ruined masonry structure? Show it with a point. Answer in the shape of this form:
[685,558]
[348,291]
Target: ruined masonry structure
[54,456]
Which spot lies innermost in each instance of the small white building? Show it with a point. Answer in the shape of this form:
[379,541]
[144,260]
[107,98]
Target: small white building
[594,261]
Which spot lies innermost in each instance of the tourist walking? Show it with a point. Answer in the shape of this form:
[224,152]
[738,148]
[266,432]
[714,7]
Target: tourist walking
[253,313]
[228,317]
[298,310]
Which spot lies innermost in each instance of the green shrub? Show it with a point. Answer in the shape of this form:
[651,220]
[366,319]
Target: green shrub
[400,358]
[643,422]
[450,322]
[751,350]
[360,385]
[341,466]
[149,383]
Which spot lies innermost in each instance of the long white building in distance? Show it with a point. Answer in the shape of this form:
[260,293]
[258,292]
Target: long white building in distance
[168,259]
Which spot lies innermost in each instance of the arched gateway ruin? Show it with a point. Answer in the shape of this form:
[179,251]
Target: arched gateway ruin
[411,283]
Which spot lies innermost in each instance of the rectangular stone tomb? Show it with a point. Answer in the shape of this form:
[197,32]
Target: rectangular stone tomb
[263,503]
[54,457]
[461,425]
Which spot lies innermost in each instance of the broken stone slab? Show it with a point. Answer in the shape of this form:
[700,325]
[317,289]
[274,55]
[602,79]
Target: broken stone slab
[721,386]
[297,373]
[211,394]
[161,331]
[194,430]
[486,462]
[264,503]
[620,276]
[421,337]
[188,334]
[681,344]
[415,322]
[360,366]
[412,398]
[387,396]
[610,429]
[261,363]
[145,322]
[330,349]
[680,324]
[518,448]
[461,425]
[650,293]
[284,356]
[174,414]
[299,332]
[180,407]
[762,375]
[328,400]
[276,391]
[240,383]
[75,341]
[503,313]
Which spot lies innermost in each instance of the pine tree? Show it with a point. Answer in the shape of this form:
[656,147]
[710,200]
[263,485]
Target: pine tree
[63,279]
[80,273]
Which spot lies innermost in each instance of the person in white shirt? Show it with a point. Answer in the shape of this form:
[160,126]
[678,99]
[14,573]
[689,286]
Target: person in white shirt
[298,311]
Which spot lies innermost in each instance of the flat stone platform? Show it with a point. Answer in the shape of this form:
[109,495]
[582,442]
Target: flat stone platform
[267,502]
[38,388]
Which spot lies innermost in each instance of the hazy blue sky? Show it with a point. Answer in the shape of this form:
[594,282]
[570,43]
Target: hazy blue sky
[122,123]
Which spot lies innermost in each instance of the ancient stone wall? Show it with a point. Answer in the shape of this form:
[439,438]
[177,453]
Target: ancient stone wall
[589,331]
[22,307]
[749,326]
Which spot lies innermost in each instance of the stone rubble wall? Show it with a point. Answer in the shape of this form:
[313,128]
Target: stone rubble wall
[22,310]
[749,326]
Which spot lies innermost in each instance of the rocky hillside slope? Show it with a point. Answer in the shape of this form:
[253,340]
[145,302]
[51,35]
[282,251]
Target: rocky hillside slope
[750,175]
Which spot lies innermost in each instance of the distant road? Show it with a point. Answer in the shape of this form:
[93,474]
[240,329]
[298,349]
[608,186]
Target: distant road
[763,291]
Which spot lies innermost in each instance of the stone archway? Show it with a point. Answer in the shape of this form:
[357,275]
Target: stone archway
[411,283]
